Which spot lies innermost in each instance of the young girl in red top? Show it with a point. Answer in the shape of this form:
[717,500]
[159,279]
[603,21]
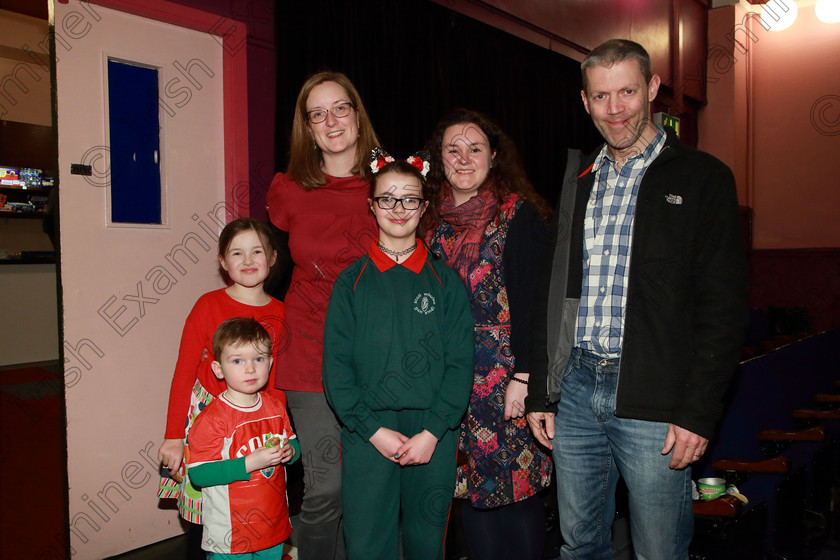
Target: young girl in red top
[246,254]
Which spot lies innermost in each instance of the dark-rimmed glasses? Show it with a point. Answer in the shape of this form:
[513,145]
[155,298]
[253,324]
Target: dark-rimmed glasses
[390,202]
[339,111]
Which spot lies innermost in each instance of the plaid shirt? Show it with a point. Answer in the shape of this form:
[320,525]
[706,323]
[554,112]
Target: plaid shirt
[607,240]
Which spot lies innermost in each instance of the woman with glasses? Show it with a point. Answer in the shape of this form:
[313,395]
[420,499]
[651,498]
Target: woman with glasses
[320,207]
[491,227]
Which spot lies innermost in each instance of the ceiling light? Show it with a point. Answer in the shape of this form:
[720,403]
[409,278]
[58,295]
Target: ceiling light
[777,15]
[828,11]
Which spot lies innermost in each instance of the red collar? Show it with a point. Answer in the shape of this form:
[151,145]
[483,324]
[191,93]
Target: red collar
[383,262]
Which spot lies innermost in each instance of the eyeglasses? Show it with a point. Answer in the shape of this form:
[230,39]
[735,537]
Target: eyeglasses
[390,202]
[340,111]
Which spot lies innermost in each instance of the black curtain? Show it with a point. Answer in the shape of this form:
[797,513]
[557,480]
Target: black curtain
[413,60]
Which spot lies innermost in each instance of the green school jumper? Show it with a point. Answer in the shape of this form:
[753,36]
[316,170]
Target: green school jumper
[398,353]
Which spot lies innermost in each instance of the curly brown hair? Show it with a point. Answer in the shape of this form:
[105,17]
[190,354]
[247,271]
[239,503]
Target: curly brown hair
[507,175]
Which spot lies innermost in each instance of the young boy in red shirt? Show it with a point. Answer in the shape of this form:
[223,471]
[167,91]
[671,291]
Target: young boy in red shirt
[236,447]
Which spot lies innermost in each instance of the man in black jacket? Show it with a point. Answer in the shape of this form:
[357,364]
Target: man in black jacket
[645,315]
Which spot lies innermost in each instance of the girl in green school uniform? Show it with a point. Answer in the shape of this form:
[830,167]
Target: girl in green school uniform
[398,370]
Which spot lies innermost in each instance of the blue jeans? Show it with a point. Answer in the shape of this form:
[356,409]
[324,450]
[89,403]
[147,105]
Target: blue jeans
[592,448]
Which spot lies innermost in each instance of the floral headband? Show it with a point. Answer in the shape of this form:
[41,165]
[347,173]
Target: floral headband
[379,158]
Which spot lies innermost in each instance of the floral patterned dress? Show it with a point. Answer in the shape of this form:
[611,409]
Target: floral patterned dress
[504,464]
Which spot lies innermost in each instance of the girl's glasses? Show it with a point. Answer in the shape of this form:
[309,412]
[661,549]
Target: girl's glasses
[390,202]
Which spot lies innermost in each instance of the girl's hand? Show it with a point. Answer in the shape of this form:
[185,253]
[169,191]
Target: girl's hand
[171,453]
[263,457]
[419,449]
[287,453]
[515,396]
[388,443]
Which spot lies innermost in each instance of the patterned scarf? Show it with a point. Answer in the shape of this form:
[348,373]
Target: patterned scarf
[469,221]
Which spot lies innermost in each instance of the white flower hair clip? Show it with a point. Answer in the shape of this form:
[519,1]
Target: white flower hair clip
[378,159]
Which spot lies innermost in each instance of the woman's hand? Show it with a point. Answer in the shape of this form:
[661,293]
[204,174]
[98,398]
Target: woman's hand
[171,453]
[515,396]
[418,450]
[388,443]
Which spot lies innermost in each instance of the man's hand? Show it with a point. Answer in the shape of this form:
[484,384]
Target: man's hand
[542,426]
[687,446]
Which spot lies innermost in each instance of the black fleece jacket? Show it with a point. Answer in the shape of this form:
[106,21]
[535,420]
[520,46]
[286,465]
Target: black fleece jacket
[687,294]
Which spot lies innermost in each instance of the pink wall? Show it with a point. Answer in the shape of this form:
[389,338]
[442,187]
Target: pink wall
[774,117]
[796,135]
[722,125]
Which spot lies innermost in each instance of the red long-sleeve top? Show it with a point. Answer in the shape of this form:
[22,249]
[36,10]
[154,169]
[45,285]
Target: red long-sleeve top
[196,351]
[329,228]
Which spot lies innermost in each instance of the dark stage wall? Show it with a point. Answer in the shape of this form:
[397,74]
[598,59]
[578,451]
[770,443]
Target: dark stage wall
[414,60]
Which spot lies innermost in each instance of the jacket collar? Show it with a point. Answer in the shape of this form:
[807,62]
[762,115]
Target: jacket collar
[672,147]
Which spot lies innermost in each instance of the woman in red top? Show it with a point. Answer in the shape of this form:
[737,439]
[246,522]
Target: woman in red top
[320,207]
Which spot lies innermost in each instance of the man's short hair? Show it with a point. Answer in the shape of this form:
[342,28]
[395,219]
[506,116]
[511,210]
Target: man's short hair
[616,50]
[239,331]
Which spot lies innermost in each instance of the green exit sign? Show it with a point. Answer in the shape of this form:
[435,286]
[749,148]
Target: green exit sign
[664,119]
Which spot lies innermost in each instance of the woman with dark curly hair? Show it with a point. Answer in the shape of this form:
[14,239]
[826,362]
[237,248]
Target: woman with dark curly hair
[490,225]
